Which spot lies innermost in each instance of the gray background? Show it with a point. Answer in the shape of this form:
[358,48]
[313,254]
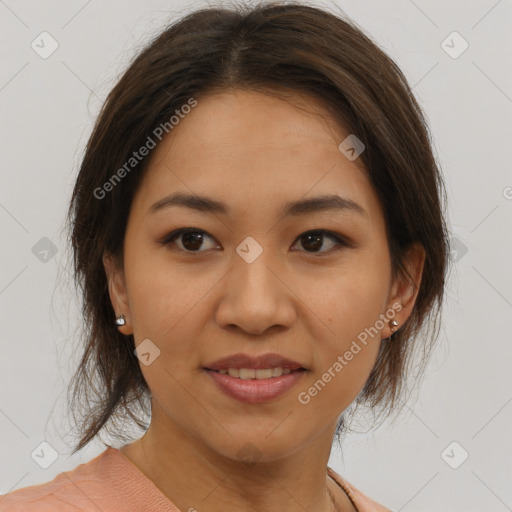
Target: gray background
[48,106]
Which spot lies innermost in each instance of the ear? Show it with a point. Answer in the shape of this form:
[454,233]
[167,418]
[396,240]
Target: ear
[117,291]
[404,291]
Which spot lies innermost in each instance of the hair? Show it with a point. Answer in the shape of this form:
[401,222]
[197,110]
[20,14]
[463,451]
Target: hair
[269,48]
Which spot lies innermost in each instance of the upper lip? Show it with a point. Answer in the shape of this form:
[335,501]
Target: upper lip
[240,360]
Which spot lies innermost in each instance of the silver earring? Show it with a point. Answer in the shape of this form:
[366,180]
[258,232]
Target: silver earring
[393,326]
[120,320]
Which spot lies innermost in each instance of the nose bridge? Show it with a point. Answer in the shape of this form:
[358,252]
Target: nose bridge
[252,270]
[254,298]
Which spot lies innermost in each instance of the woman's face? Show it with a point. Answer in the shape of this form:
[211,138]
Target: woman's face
[253,281]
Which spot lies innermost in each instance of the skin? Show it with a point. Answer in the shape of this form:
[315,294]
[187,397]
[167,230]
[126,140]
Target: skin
[253,152]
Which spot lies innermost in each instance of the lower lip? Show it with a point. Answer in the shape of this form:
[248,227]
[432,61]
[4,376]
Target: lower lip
[254,391]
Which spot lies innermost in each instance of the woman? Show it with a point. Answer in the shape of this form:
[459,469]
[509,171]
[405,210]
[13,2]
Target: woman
[258,234]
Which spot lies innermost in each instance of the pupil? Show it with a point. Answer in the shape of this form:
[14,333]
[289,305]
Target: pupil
[313,236]
[195,238]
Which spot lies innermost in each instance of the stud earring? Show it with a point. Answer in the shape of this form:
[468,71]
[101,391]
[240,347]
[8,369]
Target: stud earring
[393,326]
[120,320]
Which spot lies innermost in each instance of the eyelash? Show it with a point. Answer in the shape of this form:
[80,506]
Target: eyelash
[340,241]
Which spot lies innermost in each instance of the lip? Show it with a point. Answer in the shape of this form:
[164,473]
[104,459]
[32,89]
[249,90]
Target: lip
[240,360]
[254,391]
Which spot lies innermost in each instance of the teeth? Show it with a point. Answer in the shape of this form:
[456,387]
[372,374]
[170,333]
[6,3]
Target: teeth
[264,374]
[246,373]
[251,373]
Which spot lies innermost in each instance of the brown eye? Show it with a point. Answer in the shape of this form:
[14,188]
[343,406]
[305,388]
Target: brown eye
[313,241]
[191,239]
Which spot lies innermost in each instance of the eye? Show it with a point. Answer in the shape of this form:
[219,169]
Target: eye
[192,240]
[313,240]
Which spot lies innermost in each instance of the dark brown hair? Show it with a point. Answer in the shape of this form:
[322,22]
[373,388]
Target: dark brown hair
[267,48]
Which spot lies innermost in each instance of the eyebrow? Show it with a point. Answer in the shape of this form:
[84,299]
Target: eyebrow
[205,204]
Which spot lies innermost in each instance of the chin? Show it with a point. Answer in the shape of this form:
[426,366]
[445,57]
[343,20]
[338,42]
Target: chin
[258,448]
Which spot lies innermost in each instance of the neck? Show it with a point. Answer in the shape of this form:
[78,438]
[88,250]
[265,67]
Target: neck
[196,478]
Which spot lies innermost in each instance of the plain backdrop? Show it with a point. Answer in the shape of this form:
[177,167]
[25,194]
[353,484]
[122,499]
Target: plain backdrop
[450,449]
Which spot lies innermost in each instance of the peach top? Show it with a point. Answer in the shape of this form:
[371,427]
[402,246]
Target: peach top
[112,483]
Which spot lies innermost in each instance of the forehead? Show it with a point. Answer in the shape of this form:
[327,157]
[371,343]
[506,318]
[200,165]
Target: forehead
[238,145]
[240,120]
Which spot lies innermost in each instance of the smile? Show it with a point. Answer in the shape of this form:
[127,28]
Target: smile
[251,373]
[255,386]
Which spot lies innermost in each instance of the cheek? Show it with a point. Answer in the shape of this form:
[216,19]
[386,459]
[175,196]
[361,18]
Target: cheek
[165,304]
[345,359]
[351,306]
[353,296]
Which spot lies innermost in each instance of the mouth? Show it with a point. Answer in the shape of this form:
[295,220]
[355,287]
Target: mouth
[257,374]
[255,386]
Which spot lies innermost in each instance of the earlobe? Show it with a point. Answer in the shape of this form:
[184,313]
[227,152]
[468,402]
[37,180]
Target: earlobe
[118,294]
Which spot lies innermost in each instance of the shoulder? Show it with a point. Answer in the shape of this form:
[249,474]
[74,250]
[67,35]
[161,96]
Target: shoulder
[77,489]
[362,502]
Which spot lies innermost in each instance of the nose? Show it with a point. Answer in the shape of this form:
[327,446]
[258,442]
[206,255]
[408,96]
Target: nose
[256,298]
